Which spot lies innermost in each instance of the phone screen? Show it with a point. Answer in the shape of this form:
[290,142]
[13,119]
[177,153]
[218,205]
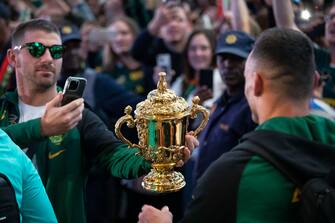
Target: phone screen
[164,61]
[206,78]
[100,36]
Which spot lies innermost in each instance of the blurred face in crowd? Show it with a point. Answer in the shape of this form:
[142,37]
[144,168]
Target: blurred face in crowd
[3,29]
[330,26]
[86,45]
[94,5]
[73,62]
[231,69]
[122,37]
[199,52]
[178,27]
[37,73]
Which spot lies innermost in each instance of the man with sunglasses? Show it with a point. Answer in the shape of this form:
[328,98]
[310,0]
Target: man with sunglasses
[64,159]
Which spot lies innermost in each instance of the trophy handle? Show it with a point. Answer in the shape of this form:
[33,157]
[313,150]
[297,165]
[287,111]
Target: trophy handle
[127,118]
[195,109]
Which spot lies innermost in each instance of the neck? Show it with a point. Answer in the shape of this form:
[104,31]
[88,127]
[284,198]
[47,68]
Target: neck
[36,97]
[281,107]
[129,61]
[196,77]
[232,91]
[177,47]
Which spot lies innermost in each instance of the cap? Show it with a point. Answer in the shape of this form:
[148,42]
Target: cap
[297,2]
[234,42]
[70,32]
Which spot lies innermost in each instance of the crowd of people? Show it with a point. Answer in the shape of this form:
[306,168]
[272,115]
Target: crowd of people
[264,68]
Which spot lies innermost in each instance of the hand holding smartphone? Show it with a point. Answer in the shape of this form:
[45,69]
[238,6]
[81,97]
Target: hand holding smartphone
[73,89]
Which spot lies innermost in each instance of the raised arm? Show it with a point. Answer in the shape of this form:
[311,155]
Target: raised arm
[284,16]
[240,16]
[145,42]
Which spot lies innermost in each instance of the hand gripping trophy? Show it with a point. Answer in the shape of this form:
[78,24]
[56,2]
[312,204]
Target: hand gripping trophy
[162,121]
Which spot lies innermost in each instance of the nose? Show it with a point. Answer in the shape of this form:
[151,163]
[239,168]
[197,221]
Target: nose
[118,37]
[227,62]
[173,23]
[198,51]
[46,56]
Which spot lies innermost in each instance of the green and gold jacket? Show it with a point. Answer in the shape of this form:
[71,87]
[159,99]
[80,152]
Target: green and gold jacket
[241,186]
[63,161]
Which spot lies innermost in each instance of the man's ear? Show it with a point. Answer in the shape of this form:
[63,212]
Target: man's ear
[11,57]
[259,84]
[317,80]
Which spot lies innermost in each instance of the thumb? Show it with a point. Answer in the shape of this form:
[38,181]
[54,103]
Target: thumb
[56,101]
[165,209]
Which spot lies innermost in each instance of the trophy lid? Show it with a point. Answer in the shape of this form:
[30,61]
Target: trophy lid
[162,103]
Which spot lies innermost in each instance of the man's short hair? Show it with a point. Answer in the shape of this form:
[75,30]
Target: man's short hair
[288,57]
[32,25]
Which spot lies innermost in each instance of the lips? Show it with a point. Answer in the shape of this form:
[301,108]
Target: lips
[45,71]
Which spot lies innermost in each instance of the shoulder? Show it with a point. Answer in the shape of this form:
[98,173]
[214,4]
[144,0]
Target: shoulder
[12,159]
[226,170]
[6,144]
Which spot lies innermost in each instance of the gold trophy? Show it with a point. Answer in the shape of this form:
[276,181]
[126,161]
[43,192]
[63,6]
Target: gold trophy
[162,121]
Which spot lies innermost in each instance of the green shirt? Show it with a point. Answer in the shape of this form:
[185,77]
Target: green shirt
[272,188]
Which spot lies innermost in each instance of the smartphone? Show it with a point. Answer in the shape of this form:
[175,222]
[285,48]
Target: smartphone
[206,78]
[100,36]
[164,61]
[73,89]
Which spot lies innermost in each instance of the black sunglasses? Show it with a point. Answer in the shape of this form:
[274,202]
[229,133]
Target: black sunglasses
[37,49]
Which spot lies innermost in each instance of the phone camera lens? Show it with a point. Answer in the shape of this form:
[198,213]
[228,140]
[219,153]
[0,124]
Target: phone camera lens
[73,85]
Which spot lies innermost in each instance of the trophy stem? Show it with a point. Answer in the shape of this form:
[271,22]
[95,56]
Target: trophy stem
[162,179]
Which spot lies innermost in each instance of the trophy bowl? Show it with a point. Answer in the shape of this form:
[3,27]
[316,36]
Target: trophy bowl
[162,123]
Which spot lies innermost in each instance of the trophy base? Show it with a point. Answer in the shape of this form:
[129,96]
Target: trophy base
[161,182]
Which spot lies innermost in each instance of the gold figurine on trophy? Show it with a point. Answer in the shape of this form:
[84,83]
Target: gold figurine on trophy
[162,122]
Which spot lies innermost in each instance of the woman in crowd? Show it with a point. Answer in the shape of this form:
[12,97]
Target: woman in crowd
[200,60]
[117,60]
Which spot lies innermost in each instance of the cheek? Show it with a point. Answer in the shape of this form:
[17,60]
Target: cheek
[163,31]
[21,64]
[128,40]
[247,89]
[190,56]
[114,45]
[208,56]
[58,65]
